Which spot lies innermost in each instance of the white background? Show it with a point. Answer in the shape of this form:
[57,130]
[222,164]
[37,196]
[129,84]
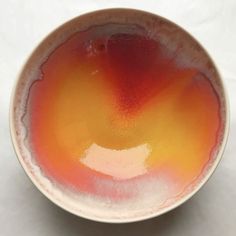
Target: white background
[25,211]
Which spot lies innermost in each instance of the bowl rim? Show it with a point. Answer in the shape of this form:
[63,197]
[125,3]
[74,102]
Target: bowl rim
[145,216]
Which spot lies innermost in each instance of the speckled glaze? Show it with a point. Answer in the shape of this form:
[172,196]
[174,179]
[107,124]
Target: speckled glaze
[119,115]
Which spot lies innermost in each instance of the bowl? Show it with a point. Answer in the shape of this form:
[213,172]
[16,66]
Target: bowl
[119,115]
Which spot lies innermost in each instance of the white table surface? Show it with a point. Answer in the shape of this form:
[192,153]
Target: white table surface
[25,211]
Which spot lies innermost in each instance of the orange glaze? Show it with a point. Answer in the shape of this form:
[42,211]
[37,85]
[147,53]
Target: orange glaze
[112,90]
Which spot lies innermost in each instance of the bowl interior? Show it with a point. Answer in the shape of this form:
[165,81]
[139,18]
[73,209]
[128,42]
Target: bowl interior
[119,115]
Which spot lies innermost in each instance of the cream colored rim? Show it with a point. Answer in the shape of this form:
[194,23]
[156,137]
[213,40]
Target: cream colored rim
[135,218]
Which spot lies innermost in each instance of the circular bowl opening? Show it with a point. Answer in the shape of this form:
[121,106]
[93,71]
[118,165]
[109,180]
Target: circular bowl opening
[119,115]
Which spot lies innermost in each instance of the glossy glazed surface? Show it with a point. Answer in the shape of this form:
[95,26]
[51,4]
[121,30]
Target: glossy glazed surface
[115,116]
